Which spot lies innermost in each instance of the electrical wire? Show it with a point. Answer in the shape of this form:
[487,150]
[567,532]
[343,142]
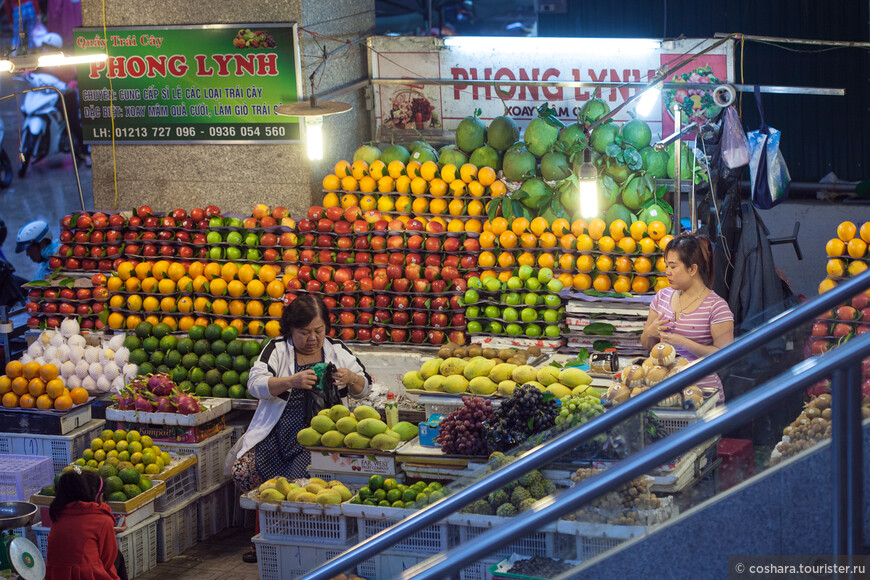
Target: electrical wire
[111,111]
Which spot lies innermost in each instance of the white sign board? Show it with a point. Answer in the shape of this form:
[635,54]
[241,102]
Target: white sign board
[436,109]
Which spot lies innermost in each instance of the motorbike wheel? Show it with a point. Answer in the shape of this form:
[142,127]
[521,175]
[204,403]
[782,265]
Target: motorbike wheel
[6,172]
[28,150]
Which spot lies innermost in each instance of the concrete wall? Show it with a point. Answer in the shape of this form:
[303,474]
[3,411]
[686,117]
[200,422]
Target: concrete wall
[235,177]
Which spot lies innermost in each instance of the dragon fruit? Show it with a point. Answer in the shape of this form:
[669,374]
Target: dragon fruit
[160,385]
[124,399]
[187,404]
[164,405]
[143,403]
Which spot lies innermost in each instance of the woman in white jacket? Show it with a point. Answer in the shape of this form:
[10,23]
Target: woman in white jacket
[281,379]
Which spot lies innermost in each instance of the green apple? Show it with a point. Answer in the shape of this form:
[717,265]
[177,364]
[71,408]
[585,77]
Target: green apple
[514,283]
[234,237]
[525,272]
[533,284]
[475,283]
[545,275]
[492,312]
[216,222]
[552,331]
[509,314]
[555,285]
[216,253]
[533,330]
[512,298]
[234,253]
[252,239]
[253,254]
[492,284]
[472,312]
[213,238]
[550,315]
[528,315]
[234,222]
[494,327]
[474,327]
[552,301]
[471,296]
[514,329]
[530,299]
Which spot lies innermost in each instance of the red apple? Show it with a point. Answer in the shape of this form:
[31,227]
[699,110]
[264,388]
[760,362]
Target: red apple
[66,221]
[304,273]
[457,337]
[383,301]
[865,314]
[468,262]
[401,285]
[307,257]
[396,225]
[270,255]
[456,303]
[415,242]
[132,250]
[167,250]
[135,222]
[439,320]
[324,241]
[382,316]
[379,335]
[459,285]
[287,240]
[352,213]
[66,309]
[371,215]
[433,260]
[342,275]
[420,303]
[418,336]
[382,259]
[381,225]
[433,244]
[452,244]
[50,308]
[151,222]
[451,261]
[80,251]
[378,243]
[366,285]
[435,337]
[362,258]
[114,236]
[324,257]
[863,329]
[82,237]
[97,252]
[67,294]
[344,243]
[309,240]
[362,272]
[294,284]
[360,226]
[330,303]
[331,288]
[421,285]
[306,225]
[97,237]
[182,237]
[32,307]
[89,264]
[83,309]
[144,211]
[440,303]
[290,255]
[347,318]
[313,286]
[324,274]
[324,225]
[396,243]
[52,322]
[471,245]
[434,227]
[202,225]
[212,210]
[413,272]
[414,226]
[841,329]
[101,294]
[401,303]
[457,319]
[396,258]
[364,334]
[84,294]
[821,329]
[401,318]
[334,213]
[51,293]
[347,334]
[84,222]
[398,335]
[148,236]
[269,239]
[279,212]
[439,286]
[361,243]
[66,236]
[315,212]
[347,301]
[847,313]
[431,273]
[343,227]
[449,273]
[116,220]
[420,318]
[379,283]
[820,347]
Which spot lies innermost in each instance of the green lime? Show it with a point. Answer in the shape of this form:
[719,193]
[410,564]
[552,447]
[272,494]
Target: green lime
[236,392]
[370,502]
[146,368]
[203,390]
[163,370]
[409,495]
[143,329]
[219,391]
[218,347]
[132,342]
[376,482]
[185,346]
[145,484]
[223,361]
[243,379]
[235,347]
[186,386]
[160,330]
[251,348]
[114,484]
[212,332]
[196,375]
[201,347]
[168,343]
[158,358]
[189,360]
[151,344]
[138,356]
[229,334]
[365,492]
[196,332]
[173,358]
[213,377]
[394,495]
[179,374]
[230,378]
[241,364]
[207,362]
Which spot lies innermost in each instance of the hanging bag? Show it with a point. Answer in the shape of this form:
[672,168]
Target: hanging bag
[735,145]
[769,174]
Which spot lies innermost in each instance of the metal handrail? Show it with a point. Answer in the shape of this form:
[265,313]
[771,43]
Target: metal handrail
[733,415]
[551,450]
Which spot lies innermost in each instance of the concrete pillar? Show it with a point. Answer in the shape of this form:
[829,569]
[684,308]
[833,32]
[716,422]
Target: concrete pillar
[235,177]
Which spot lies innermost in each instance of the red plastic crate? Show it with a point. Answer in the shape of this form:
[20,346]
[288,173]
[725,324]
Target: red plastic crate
[738,462]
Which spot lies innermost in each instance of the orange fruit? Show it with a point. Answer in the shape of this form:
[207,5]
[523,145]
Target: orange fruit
[519,225]
[836,268]
[27,401]
[585,243]
[640,285]
[349,183]
[566,262]
[456,225]
[160,269]
[196,269]
[132,321]
[44,402]
[473,226]
[438,187]
[376,170]
[116,321]
[487,240]
[170,322]
[235,289]
[201,321]
[661,282]
[656,230]
[54,388]
[604,263]
[547,240]
[273,329]
[448,173]
[176,271]
[597,228]
[143,270]
[229,271]
[19,385]
[267,274]
[412,169]
[582,282]
[5,385]
[528,240]
[486,176]
[438,206]
[826,284]
[585,263]
[78,396]
[132,284]
[642,265]
[342,168]
[538,226]
[211,271]
[256,327]
[606,244]
[865,232]
[456,207]
[498,226]
[661,265]
[835,247]
[420,205]
[150,285]
[254,308]
[185,323]
[14,369]
[31,370]
[508,240]
[126,269]
[331,182]
[505,276]
[638,230]
[663,243]
[526,259]
[856,267]
[402,185]
[618,229]
[846,231]
[602,283]
[623,264]
[185,284]
[622,284]
[275,289]
[36,386]
[10,400]
[627,245]
[497,189]
[246,273]
[468,172]
[578,228]
[857,248]
[63,402]
[276,309]
[506,260]
[220,306]
[475,189]
[217,287]
[386,184]
[396,168]
[359,169]
[366,185]
[486,260]
[560,227]
[546,260]
[458,188]
[114,283]
[475,208]
[567,241]
[647,246]
[237,308]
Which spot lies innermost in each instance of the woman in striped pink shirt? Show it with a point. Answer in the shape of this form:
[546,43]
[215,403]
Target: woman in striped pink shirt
[689,315]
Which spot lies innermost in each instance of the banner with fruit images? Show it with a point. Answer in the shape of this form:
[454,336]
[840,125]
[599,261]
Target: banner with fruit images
[189,84]
[438,108]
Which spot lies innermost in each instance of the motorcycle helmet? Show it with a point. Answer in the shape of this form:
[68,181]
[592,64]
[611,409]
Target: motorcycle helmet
[31,233]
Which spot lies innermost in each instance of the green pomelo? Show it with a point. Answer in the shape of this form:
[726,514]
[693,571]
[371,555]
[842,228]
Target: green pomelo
[573,134]
[540,136]
[636,133]
[636,192]
[394,153]
[502,133]
[485,156]
[618,172]
[655,163]
[538,193]
[367,153]
[603,135]
[518,164]
[685,165]
[618,212]
[570,200]
[555,166]
[470,134]
[423,154]
[450,154]
[608,192]
[655,213]
[594,109]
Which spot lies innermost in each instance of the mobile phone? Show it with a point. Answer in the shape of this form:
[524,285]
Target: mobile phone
[119,523]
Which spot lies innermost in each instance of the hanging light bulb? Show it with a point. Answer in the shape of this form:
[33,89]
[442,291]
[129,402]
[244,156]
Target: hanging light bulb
[314,137]
[588,178]
[60,59]
[648,100]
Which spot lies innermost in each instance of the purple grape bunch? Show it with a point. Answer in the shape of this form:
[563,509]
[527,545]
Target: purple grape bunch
[463,431]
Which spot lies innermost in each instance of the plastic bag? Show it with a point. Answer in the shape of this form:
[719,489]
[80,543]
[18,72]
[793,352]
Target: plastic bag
[324,394]
[735,145]
[769,174]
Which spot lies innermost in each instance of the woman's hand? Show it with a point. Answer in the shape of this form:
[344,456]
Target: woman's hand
[302,380]
[658,325]
[677,340]
[346,377]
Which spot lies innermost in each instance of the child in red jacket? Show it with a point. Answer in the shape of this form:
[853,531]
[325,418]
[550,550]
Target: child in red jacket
[81,543]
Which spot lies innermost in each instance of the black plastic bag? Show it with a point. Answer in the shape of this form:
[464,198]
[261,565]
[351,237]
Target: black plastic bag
[324,394]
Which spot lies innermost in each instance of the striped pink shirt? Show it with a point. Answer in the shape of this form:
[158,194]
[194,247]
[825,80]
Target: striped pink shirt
[695,325]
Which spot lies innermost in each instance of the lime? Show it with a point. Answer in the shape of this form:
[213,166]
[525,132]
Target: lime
[365,493]
[173,357]
[160,330]
[379,494]
[145,484]
[224,361]
[186,386]
[196,332]
[196,375]
[146,368]
[114,484]
[236,392]
[230,378]
[235,347]
[132,342]
[409,495]
[179,374]
[207,362]
[212,332]
[213,377]
[168,343]
[185,346]
[243,379]
[203,390]
[375,482]
[219,391]
[251,348]
[158,358]
[151,344]
[229,334]
[394,495]
[201,347]
[409,505]
[138,356]
[218,346]
[143,329]
[163,370]
[241,364]
[398,504]
[189,360]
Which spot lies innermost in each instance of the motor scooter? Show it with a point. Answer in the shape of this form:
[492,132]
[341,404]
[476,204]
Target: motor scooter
[43,130]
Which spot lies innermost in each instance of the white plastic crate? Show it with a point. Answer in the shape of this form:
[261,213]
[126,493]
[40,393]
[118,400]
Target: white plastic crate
[210,456]
[179,489]
[674,419]
[593,539]
[287,525]
[430,540]
[289,560]
[23,475]
[213,512]
[388,565]
[477,571]
[177,530]
[62,449]
[542,542]
[138,545]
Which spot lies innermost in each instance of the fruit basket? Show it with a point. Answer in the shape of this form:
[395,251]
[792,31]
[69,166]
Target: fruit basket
[212,409]
[117,507]
[21,476]
[371,520]
[541,542]
[177,530]
[210,455]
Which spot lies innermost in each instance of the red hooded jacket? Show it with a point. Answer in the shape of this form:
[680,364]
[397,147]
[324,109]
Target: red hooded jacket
[82,544]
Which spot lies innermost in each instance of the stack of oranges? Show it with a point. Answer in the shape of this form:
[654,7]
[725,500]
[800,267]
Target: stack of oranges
[247,297]
[585,255]
[457,195]
[847,254]
[34,386]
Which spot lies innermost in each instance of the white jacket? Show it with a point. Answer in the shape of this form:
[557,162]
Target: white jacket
[278,360]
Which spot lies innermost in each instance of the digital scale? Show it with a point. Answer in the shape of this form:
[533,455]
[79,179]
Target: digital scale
[19,555]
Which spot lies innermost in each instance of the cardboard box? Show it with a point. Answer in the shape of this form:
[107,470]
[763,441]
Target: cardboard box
[175,433]
[45,422]
[429,430]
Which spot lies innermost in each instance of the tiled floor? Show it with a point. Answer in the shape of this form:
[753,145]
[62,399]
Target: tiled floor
[218,558]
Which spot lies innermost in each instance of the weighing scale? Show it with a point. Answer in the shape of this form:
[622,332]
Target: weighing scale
[19,555]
